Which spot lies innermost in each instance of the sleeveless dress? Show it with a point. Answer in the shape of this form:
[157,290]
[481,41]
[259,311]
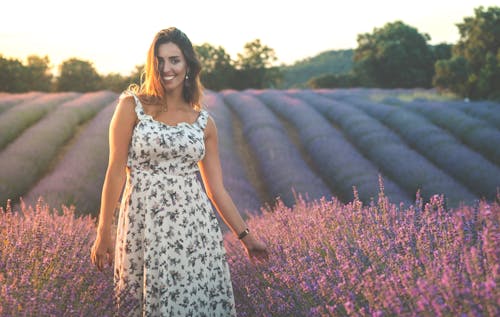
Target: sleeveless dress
[169,257]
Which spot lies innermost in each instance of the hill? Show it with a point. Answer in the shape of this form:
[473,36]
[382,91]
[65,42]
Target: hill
[329,62]
[273,143]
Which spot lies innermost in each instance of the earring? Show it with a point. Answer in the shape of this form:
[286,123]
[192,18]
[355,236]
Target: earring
[187,76]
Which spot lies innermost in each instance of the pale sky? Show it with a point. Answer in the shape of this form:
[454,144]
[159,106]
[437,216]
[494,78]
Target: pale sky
[115,35]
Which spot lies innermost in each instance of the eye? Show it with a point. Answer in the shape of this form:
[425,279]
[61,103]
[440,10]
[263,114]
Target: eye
[160,62]
[174,60]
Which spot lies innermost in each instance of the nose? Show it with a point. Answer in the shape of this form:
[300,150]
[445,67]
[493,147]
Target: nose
[164,68]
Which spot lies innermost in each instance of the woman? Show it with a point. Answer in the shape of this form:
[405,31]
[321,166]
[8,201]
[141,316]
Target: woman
[170,255]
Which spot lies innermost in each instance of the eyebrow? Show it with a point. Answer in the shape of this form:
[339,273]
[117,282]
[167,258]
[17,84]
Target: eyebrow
[169,57]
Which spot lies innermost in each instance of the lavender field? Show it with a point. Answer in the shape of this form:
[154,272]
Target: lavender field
[373,202]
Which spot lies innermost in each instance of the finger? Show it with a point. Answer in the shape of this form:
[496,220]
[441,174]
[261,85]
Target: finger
[111,256]
[99,264]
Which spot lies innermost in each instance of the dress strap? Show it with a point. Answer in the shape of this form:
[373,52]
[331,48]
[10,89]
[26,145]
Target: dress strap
[138,105]
[138,108]
[202,119]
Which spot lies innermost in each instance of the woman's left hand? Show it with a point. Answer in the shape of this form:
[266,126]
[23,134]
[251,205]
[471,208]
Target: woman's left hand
[255,249]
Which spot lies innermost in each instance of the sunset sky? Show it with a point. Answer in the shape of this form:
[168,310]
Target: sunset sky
[115,35]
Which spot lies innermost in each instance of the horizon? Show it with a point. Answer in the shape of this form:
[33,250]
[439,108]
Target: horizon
[114,36]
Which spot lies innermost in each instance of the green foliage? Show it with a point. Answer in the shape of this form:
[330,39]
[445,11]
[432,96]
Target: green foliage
[252,69]
[217,67]
[114,82]
[325,64]
[475,58]
[334,81]
[78,75]
[255,67]
[395,56]
[441,51]
[118,83]
[38,73]
[452,74]
[256,55]
[12,75]
[17,77]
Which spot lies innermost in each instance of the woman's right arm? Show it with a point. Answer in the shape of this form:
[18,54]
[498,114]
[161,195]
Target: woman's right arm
[120,134]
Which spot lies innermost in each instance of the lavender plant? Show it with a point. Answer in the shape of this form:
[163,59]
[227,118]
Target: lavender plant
[27,158]
[478,174]
[235,179]
[17,119]
[45,267]
[341,165]
[327,259]
[483,110]
[385,148]
[334,259]
[476,133]
[281,164]
[77,179]
[8,100]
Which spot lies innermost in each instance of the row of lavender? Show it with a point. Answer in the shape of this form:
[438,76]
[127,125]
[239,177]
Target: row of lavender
[236,180]
[281,166]
[461,137]
[340,164]
[351,140]
[478,172]
[386,149]
[73,174]
[35,134]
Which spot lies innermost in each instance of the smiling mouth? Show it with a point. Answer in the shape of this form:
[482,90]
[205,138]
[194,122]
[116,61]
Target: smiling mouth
[167,78]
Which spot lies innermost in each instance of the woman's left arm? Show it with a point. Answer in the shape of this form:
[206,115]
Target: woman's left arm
[211,173]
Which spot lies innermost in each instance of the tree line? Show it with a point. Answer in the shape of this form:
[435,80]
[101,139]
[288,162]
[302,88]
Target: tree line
[398,56]
[252,69]
[394,56]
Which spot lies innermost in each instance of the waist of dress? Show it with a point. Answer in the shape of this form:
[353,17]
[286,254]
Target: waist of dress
[162,171]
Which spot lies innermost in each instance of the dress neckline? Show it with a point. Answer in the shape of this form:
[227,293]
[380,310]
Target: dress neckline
[178,124]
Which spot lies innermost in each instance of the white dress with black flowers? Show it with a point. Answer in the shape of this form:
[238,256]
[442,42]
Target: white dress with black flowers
[170,255]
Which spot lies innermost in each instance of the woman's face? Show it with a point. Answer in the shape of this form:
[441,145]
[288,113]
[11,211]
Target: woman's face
[172,66]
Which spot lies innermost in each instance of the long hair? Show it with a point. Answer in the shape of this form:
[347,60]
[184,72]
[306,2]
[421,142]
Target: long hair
[151,90]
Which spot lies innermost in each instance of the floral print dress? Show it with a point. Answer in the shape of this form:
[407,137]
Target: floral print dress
[169,256]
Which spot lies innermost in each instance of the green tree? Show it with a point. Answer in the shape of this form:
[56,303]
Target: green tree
[119,83]
[452,74]
[396,55]
[136,75]
[38,77]
[78,75]
[217,67]
[114,82]
[479,46]
[255,67]
[441,51]
[333,81]
[12,75]
[325,64]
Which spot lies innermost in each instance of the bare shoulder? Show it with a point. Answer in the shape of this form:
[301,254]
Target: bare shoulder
[211,128]
[125,110]
[126,101]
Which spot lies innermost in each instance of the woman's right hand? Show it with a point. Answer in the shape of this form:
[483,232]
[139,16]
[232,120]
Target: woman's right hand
[102,251]
[255,249]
